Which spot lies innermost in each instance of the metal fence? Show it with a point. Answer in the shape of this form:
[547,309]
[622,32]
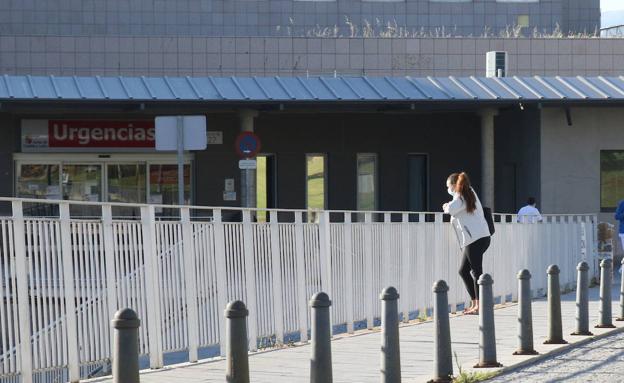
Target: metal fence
[64,277]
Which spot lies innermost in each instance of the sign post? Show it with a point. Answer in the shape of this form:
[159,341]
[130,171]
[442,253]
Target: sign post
[247,147]
[181,133]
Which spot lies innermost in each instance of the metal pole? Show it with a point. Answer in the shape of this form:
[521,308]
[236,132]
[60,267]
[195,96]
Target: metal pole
[237,358]
[180,126]
[525,315]
[605,294]
[321,361]
[390,350]
[555,332]
[582,300]
[487,340]
[442,357]
[621,317]
[126,346]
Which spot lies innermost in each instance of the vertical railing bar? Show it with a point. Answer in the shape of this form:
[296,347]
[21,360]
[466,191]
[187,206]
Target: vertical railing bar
[348,254]
[109,256]
[278,297]
[250,281]
[325,256]
[405,267]
[191,283]
[302,301]
[221,274]
[368,270]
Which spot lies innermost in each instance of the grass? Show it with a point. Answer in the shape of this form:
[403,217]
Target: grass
[472,376]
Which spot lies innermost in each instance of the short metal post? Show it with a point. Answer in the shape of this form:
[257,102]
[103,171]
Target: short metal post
[126,346]
[621,317]
[390,351]
[555,332]
[321,361]
[237,370]
[525,315]
[487,340]
[442,357]
[606,276]
[582,300]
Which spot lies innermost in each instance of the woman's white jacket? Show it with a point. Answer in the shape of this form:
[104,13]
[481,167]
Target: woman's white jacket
[469,227]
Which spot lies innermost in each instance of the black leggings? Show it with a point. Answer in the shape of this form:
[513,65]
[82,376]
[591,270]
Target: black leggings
[472,265]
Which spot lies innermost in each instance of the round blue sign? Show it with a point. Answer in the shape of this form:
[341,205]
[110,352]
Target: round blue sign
[247,145]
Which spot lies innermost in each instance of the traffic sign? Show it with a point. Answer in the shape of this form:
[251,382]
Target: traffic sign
[247,164]
[247,145]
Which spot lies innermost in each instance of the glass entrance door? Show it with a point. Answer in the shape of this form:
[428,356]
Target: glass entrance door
[82,183]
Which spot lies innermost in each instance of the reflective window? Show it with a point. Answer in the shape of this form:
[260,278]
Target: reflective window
[315,182]
[611,179]
[82,183]
[38,181]
[265,185]
[523,21]
[367,182]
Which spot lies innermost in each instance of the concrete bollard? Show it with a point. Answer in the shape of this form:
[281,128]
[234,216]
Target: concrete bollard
[390,350]
[126,346]
[237,357]
[442,357]
[321,360]
[621,317]
[487,340]
[555,332]
[525,315]
[606,275]
[582,300]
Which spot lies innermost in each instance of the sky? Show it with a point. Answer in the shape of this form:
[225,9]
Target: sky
[611,5]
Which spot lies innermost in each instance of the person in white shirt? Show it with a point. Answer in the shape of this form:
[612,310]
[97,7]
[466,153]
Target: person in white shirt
[529,213]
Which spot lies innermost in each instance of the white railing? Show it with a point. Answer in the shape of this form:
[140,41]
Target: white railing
[64,277]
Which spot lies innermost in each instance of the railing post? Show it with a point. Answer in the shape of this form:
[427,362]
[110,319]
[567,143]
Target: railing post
[390,350]
[152,288]
[487,340]
[525,315]
[237,364]
[73,360]
[250,280]
[582,300]
[109,261]
[555,332]
[325,252]
[348,253]
[606,275]
[405,266]
[321,359]
[219,241]
[276,263]
[190,281]
[126,346]
[22,293]
[302,312]
[368,269]
[442,355]
[621,317]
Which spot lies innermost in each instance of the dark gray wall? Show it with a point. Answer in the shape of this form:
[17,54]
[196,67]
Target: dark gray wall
[517,162]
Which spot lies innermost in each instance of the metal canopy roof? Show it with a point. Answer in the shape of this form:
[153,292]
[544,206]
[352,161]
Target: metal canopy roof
[311,89]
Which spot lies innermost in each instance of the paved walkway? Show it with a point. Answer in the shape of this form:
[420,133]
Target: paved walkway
[356,358]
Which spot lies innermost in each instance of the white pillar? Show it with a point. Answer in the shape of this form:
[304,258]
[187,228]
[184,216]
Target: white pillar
[487,157]
[248,176]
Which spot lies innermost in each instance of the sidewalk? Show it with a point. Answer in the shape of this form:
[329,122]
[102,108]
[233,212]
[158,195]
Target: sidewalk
[356,358]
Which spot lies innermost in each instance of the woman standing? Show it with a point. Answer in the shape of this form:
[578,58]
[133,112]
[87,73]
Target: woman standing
[472,232]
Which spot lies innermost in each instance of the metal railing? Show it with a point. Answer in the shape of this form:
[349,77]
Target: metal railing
[64,277]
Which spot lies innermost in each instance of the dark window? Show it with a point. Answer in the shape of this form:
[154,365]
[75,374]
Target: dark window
[611,179]
[417,178]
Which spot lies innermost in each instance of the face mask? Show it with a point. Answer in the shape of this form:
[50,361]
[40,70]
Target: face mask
[451,192]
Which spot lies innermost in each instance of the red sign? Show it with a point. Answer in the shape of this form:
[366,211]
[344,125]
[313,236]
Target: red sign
[247,145]
[100,134]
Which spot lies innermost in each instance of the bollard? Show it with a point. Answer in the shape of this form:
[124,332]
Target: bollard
[390,350]
[605,294]
[621,317]
[442,357]
[237,358]
[582,300]
[487,340]
[126,346]
[321,361]
[555,332]
[525,315]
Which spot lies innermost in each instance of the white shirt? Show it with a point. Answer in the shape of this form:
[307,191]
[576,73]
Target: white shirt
[529,214]
[469,227]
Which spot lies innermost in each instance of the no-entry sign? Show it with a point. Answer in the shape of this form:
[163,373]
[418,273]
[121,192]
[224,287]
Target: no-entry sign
[247,145]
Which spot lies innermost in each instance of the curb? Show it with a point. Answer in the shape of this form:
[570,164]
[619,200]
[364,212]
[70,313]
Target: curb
[555,352]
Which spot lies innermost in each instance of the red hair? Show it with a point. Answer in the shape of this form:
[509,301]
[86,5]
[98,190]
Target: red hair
[461,181]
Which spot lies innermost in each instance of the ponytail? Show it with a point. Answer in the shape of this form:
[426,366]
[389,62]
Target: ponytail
[462,186]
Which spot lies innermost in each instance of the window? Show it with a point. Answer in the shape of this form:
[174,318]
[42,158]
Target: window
[366,181]
[523,21]
[315,184]
[417,179]
[265,185]
[611,179]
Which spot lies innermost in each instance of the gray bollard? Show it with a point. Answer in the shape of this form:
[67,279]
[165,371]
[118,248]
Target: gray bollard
[321,360]
[621,317]
[442,357]
[525,315]
[390,350]
[126,346]
[582,300]
[606,278]
[487,340]
[555,332]
[237,357]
